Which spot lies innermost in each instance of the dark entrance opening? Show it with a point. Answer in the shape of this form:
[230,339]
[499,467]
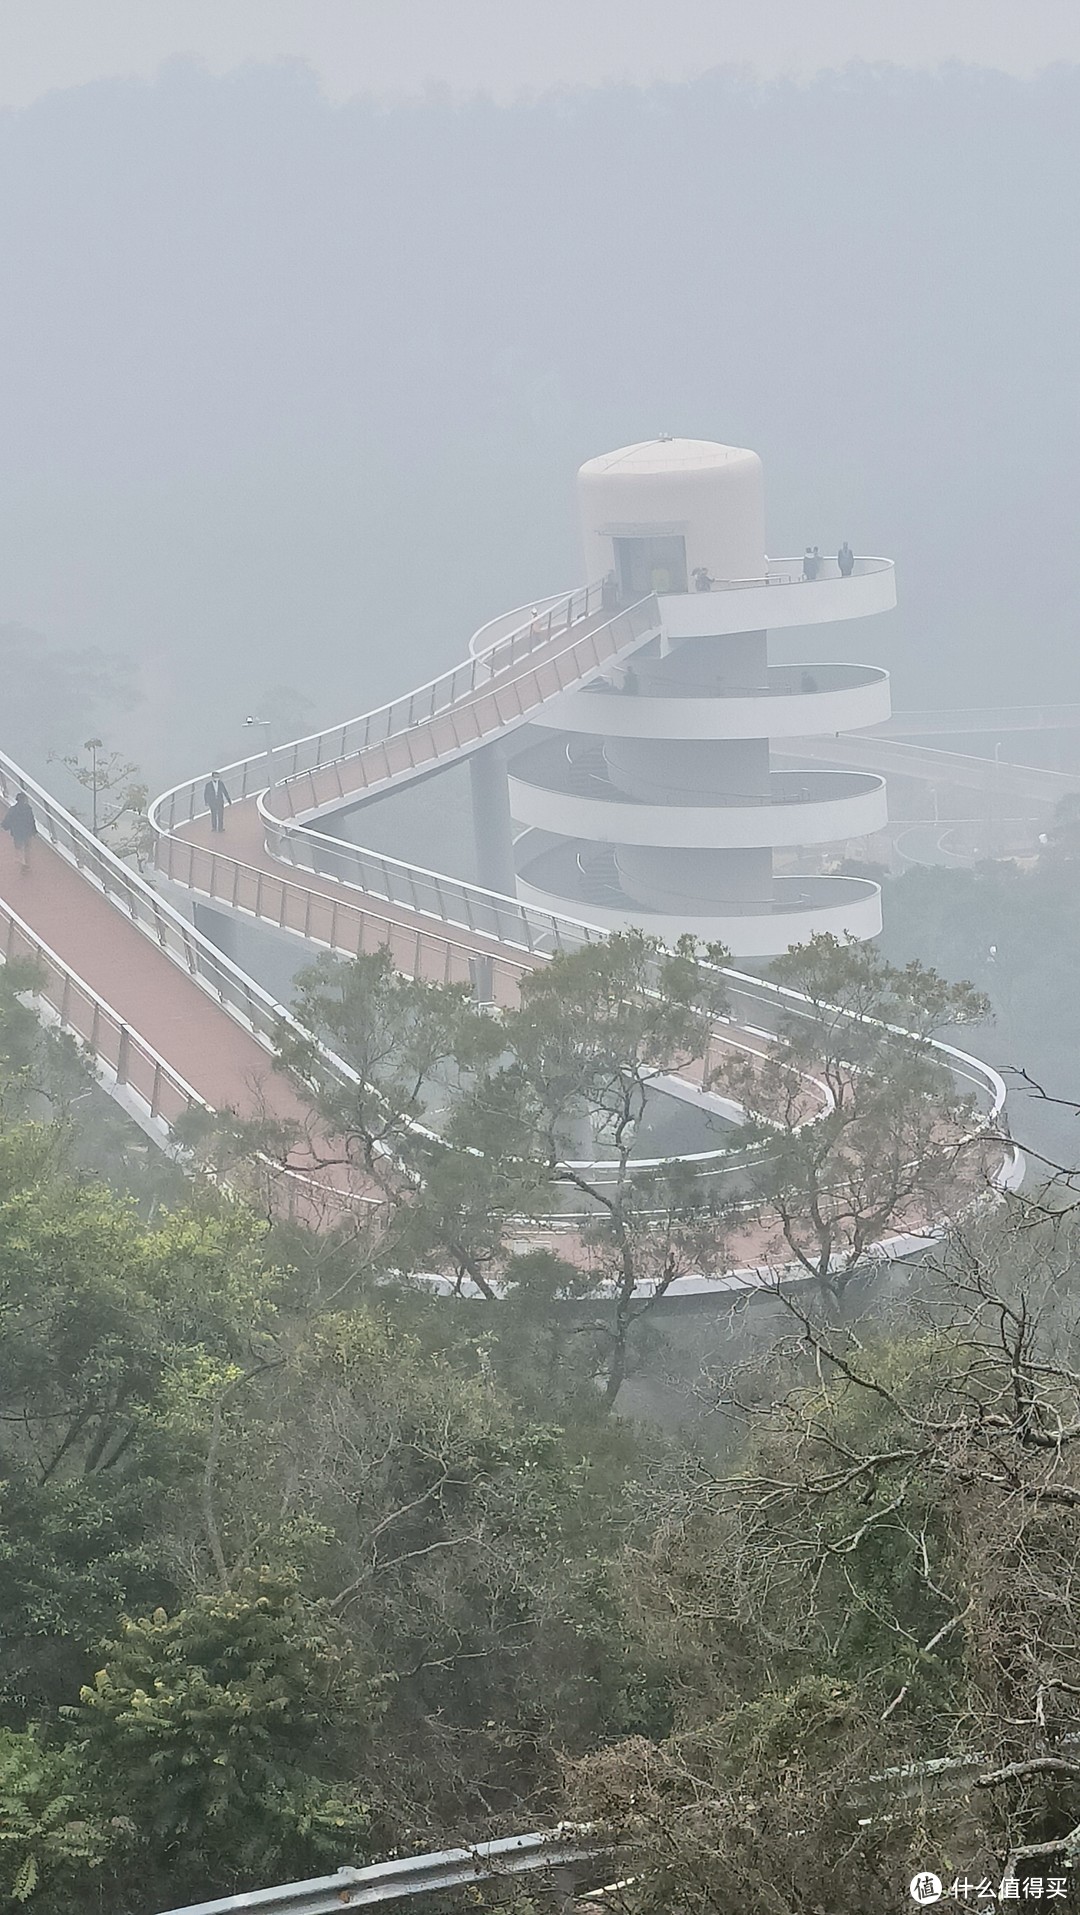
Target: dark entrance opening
[650,565]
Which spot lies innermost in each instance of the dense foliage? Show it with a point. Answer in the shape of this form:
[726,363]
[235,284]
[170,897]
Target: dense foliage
[301,1565]
[281,1584]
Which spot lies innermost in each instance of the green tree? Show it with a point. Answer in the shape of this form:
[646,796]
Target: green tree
[462,1540]
[105,1322]
[220,1732]
[540,1115]
[596,1032]
[118,798]
[867,1611]
[49,1846]
[896,1145]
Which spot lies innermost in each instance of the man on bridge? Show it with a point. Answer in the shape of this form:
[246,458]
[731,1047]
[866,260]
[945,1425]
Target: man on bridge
[215,797]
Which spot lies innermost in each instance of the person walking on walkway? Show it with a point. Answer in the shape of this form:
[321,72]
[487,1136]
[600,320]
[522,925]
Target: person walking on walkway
[809,564]
[845,559]
[215,797]
[19,821]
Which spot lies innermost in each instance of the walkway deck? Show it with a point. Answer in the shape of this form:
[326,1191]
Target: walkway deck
[225,1065]
[233,868]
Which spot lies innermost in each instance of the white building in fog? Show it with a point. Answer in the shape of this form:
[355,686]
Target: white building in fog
[660,794]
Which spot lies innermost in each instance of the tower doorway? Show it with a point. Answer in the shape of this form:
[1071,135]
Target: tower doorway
[650,565]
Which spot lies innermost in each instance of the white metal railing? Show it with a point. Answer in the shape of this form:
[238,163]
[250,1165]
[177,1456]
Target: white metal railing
[338,923]
[548,766]
[783,681]
[157,920]
[133,1064]
[401,718]
[127,1057]
[411,1875]
[497,690]
[786,572]
[511,936]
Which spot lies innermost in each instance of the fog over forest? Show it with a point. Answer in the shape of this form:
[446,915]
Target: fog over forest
[294,393]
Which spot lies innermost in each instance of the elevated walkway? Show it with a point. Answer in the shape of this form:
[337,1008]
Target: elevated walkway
[178,1026]
[173,1026]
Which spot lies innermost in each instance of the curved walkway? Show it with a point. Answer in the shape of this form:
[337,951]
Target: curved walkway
[152,988]
[173,1026]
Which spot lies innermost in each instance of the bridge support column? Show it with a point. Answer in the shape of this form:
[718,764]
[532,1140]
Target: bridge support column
[219,927]
[492,832]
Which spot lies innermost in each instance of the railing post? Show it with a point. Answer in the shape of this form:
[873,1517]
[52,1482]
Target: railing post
[122,1055]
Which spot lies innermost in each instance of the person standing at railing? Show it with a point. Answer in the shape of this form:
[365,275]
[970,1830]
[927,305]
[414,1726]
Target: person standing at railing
[810,563]
[609,593]
[845,559]
[19,821]
[215,798]
[702,580]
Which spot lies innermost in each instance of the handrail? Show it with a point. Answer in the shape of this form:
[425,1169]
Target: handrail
[412,1875]
[851,784]
[115,1043]
[854,678]
[491,699]
[330,746]
[338,924]
[511,937]
[335,742]
[158,920]
[238,995]
[789,572]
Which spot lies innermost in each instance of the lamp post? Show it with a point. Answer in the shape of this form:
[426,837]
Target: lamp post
[267,732]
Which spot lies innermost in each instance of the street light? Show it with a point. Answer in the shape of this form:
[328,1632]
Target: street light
[267,731]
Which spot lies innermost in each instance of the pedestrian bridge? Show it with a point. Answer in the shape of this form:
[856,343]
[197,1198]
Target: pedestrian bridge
[175,1026]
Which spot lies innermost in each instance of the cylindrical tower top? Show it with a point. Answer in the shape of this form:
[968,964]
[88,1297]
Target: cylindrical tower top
[654,513]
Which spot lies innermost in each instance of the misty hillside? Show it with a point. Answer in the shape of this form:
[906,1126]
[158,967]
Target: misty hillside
[293,394]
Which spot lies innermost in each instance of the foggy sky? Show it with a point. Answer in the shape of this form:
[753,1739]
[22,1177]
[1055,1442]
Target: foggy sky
[293,394]
[506,46]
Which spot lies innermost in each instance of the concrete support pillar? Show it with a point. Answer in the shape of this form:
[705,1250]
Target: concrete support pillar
[492,832]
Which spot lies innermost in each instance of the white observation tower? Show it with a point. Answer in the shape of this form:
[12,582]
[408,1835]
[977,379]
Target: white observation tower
[651,796]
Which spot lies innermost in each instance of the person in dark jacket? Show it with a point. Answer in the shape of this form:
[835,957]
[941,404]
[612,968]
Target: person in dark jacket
[215,797]
[19,821]
[845,559]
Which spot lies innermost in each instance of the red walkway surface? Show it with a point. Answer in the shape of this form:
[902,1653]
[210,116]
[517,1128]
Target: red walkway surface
[220,1060]
[234,867]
